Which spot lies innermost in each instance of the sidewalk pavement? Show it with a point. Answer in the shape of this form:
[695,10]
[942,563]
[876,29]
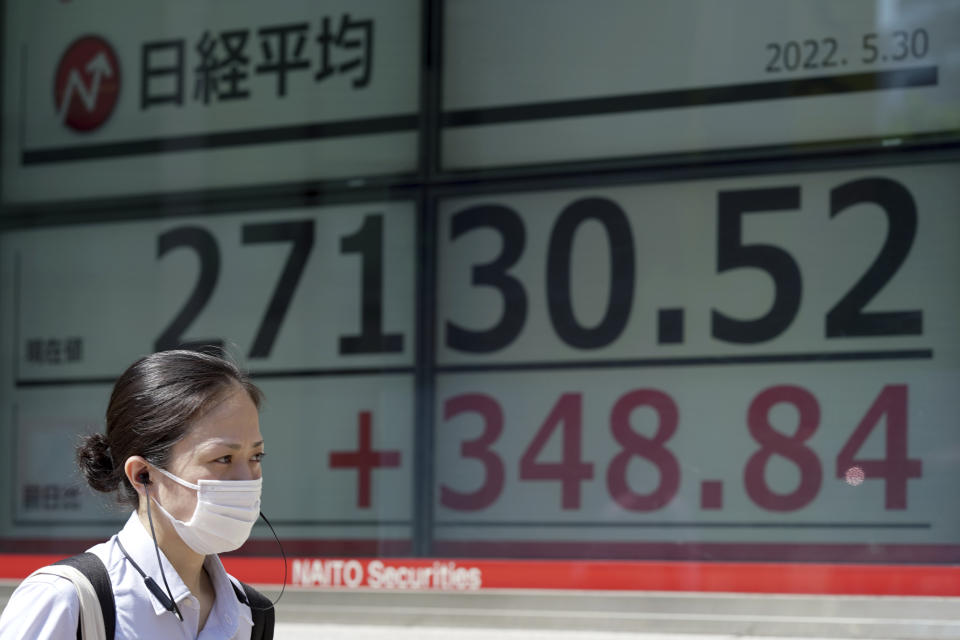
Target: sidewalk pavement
[300,631]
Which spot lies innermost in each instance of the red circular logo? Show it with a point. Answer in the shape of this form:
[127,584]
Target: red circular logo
[87,84]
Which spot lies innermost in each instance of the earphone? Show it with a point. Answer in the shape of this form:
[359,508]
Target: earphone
[166,599]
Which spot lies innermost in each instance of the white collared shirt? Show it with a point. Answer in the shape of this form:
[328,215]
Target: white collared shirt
[46,606]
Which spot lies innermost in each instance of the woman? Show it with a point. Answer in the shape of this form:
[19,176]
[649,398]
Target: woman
[183,447]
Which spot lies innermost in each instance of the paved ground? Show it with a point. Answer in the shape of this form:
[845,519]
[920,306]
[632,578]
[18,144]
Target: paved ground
[542,615]
[293,631]
[530,615]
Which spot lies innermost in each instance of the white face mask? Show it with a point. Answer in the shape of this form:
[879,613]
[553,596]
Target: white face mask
[226,511]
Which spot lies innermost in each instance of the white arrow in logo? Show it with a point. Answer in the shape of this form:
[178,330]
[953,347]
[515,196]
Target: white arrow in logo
[100,67]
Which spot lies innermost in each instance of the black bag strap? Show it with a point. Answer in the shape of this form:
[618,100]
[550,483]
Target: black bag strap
[93,568]
[261,610]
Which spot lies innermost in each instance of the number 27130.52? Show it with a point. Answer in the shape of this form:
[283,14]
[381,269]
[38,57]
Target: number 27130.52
[367,241]
[889,408]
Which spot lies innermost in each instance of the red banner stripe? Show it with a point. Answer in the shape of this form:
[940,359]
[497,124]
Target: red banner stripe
[470,574]
[833,579]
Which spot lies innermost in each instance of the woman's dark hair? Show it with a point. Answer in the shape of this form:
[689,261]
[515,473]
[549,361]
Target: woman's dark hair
[152,405]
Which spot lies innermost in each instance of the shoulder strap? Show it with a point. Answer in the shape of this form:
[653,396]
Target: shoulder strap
[92,567]
[261,610]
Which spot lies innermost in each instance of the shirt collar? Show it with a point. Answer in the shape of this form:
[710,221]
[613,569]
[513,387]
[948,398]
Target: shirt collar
[138,542]
[230,611]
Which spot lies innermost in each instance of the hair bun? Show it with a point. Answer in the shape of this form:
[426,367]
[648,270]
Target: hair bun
[93,458]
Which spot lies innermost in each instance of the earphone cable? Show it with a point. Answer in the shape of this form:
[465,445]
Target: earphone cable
[159,562]
[283,555]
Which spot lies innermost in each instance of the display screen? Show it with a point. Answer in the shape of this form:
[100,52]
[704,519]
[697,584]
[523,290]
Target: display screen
[572,80]
[753,360]
[318,302]
[106,99]
[553,279]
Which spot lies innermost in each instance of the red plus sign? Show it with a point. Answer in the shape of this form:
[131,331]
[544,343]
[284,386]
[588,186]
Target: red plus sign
[364,459]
